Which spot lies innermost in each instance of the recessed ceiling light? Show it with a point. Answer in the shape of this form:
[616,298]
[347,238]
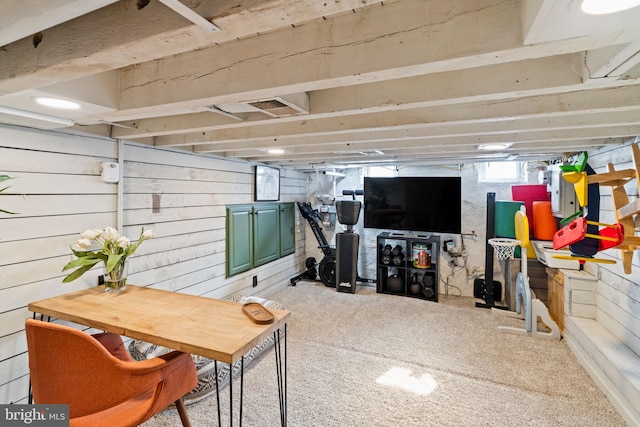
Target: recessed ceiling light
[275,151]
[57,103]
[600,7]
[495,146]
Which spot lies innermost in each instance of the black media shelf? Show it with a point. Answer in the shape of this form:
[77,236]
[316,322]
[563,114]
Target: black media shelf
[407,265]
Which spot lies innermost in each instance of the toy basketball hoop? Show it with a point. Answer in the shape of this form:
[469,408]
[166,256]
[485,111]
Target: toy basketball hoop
[505,248]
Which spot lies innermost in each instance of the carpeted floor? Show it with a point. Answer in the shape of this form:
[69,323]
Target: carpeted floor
[369,359]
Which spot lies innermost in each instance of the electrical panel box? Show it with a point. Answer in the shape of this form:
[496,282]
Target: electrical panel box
[563,196]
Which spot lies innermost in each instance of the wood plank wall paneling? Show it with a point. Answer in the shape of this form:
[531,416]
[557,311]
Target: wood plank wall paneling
[59,176]
[618,293]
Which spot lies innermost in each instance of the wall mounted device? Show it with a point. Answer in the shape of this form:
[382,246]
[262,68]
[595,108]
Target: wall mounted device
[449,246]
[110,172]
[563,197]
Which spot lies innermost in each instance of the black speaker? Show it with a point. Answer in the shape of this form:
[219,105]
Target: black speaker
[347,261]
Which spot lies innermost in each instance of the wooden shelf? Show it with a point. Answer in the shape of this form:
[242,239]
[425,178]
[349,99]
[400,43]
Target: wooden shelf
[428,277]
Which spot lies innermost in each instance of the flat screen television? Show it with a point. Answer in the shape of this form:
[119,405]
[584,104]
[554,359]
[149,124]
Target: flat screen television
[420,204]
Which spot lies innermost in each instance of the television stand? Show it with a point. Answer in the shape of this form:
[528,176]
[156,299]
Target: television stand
[407,265]
[423,235]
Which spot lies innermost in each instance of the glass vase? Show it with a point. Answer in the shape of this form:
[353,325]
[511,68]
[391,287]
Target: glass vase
[115,281]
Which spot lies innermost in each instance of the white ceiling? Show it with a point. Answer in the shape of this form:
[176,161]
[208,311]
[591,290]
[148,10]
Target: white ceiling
[411,81]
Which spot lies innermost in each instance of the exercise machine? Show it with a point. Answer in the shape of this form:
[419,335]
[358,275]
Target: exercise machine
[326,268]
[348,243]
[340,263]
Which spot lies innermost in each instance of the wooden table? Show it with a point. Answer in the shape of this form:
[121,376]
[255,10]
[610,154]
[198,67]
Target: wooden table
[207,327]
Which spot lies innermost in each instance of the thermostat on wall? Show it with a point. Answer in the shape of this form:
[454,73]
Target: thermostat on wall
[110,172]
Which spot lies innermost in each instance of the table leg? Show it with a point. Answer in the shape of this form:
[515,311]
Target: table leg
[230,394]
[281,372]
[215,364]
[241,387]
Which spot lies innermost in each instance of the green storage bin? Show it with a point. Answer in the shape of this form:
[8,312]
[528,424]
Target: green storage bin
[504,222]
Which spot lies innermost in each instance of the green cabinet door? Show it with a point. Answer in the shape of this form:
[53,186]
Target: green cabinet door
[266,233]
[287,229]
[239,239]
[258,234]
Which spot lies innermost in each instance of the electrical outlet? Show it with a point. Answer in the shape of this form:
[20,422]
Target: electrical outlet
[255,281]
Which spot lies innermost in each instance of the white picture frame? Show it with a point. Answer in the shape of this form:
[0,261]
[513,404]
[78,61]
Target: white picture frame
[267,188]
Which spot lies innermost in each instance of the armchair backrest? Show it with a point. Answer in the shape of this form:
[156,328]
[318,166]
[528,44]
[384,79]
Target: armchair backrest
[70,366]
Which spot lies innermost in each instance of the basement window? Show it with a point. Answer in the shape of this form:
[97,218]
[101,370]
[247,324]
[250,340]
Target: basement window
[381,171]
[502,172]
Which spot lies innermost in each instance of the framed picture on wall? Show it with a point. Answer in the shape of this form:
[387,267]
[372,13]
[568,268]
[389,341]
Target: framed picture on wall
[267,184]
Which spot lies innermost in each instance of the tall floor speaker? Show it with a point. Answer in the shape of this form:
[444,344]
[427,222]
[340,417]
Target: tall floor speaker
[347,261]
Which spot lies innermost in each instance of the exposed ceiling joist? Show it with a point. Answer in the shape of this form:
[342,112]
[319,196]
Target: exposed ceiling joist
[179,7]
[349,82]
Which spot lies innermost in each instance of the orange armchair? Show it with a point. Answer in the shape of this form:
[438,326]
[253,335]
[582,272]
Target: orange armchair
[99,380]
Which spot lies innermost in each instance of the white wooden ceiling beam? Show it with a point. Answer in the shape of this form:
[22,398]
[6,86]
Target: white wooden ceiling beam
[48,14]
[120,35]
[411,78]
[613,61]
[322,54]
[611,99]
[400,135]
[413,154]
[180,8]
[500,81]
[408,38]
[551,136]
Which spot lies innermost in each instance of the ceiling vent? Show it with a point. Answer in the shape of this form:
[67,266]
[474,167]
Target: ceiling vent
[282,106]
[277,106]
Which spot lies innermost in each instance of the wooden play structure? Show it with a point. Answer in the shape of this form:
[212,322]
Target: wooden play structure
[583,233]
[528,307]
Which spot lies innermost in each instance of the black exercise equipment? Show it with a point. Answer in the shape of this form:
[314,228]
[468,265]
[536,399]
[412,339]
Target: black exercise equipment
[348,243]
[339,264]
[326,269]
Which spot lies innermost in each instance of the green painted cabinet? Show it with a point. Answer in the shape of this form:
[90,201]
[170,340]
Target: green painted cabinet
[258,234]
[239,239]
[287,229]
[266,232]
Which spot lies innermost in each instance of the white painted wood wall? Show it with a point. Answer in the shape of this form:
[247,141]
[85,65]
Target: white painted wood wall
[618,304]
[59,176]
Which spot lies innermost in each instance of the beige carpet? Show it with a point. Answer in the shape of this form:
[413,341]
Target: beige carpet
[369,359]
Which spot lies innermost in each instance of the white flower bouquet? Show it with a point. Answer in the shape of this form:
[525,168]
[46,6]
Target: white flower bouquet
[107,245]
